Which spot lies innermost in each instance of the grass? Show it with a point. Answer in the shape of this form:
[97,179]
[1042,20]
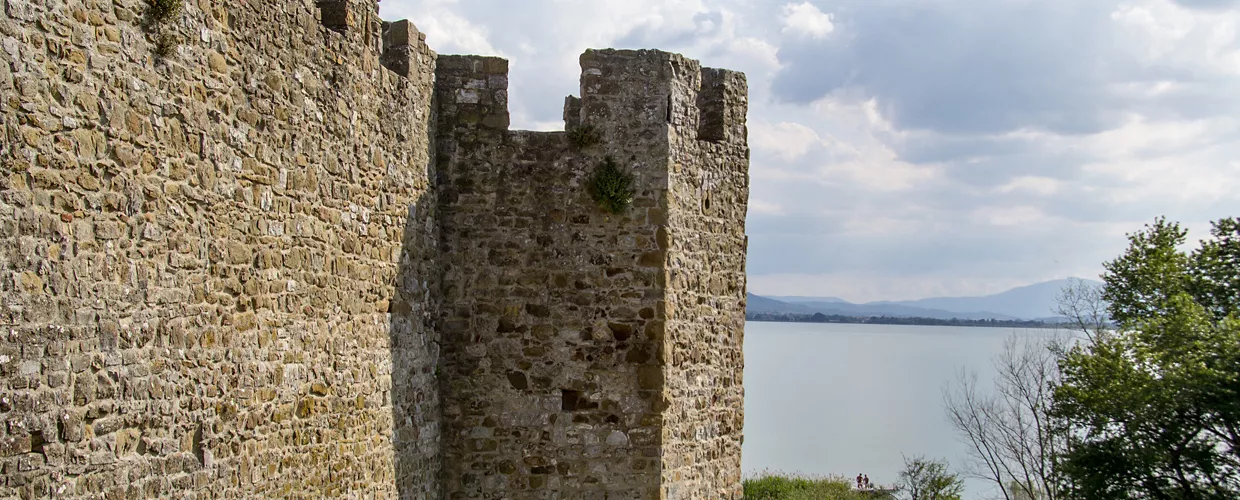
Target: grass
[797,487]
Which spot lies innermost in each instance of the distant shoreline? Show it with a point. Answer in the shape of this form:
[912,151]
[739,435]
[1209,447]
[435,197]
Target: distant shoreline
[890,320]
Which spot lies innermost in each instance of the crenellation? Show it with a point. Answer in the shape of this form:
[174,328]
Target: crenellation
[722,104]
[472,91]
[625,87]
[406,53]
[305,256]
[712,124]
[572,112]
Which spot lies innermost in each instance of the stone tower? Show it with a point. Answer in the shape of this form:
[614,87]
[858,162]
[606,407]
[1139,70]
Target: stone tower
[586,352]
[300,254]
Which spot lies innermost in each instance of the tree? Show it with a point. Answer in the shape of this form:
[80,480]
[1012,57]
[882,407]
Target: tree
[924,479]
[1213,277]
[1081,303]
[1013,439]
[1018,490]
[1154,409]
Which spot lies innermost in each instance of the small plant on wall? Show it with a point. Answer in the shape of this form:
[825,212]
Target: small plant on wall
[584,136]
[162,11]
[611,187]
[166,45]
[158,14]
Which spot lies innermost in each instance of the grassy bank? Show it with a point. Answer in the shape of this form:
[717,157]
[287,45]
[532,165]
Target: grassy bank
[789,487]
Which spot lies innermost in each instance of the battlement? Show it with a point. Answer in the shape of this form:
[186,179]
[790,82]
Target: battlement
[630,87]
[472,91]
[405,50]
[357,20]
[301,253]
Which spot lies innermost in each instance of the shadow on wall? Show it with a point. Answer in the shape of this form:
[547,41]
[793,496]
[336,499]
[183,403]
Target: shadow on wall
[414,390]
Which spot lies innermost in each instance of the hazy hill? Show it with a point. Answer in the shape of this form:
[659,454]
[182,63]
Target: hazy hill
[797,299]
[1035,301]
[1026,302]
[759,304]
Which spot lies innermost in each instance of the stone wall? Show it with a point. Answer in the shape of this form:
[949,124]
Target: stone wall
[199,254]
[230,270]
[709,193]
[592,355]
[551,381]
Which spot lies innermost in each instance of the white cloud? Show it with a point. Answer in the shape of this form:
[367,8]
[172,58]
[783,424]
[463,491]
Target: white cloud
[1043,186]
[1162,32]
[806,20]
[765,207]
[788,140]
[1010,216]
[445,30]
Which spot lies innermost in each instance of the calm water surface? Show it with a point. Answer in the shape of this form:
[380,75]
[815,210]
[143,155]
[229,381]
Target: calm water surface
[848,399]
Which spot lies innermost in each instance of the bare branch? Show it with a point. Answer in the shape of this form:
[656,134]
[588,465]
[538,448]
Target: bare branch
[1009,429]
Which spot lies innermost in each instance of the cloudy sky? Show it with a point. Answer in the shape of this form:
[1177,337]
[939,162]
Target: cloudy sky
[906,149]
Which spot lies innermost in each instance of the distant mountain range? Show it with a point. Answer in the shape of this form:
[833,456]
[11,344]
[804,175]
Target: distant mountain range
[1032,302]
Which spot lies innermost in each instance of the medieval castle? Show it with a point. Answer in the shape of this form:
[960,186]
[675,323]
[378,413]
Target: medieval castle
[280,248]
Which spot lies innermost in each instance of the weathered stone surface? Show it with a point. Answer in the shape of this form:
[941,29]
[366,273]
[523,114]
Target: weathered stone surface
[635,391]
[200,253]
[231,272]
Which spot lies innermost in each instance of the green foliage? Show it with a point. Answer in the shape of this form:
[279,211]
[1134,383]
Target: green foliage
[584,136]
[611,187]
[1140,281]
[1214,281]
[162,11]
[158,14]
[166,45]
[1155,407]
[925,479]
[1022,490]
[785,487]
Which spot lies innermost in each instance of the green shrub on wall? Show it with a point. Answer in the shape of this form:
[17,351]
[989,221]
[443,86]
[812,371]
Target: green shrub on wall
[162,11]
[611,187]
[158,14]
[166,45]
[584,136]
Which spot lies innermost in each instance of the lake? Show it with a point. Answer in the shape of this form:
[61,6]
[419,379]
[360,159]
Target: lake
[843,399]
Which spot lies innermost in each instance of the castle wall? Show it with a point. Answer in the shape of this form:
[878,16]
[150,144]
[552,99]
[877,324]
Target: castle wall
[231,271]
[215,271]
[591,355]
[552,307]
[709,193]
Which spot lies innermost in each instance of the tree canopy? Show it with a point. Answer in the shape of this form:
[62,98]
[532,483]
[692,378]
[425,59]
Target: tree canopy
[1153,408]
[926,479]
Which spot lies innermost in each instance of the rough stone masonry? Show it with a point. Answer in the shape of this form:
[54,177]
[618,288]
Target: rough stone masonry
[295,253]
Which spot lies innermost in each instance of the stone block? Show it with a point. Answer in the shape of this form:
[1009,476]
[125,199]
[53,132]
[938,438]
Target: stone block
[400,34]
